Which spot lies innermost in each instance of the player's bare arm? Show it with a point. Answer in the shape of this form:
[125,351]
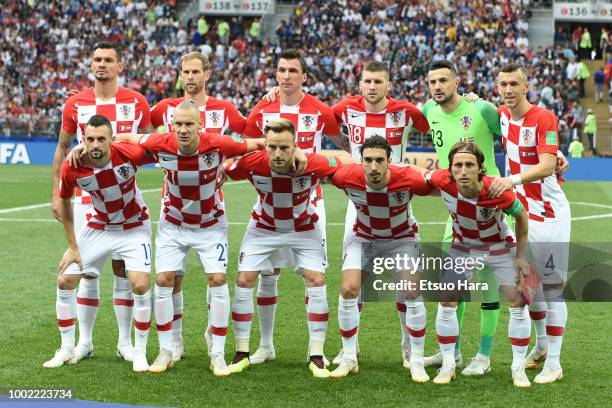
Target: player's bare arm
[63,148]
[544,168]
[72,253]
[521,231]
[341,141]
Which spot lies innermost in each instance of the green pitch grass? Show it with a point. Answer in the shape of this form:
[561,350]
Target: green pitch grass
[32,243]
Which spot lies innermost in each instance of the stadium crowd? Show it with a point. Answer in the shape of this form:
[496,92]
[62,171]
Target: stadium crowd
[45,45]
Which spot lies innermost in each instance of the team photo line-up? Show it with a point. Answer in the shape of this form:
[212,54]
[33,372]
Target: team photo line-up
[96,198]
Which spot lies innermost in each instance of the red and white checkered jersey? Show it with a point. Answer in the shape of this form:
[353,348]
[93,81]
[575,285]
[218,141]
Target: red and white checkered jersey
[384,213]
[127,111]
[216,115]
[393,123]
[192,199]
[117,202]
[283,204]
[523,140]
[478,223]
[311,118]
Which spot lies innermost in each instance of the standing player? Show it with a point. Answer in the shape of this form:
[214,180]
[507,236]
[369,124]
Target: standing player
[530,140]
[127,111]
[381,194]
[284,217]
[480,234]
[312,119]
[374,113]
[193,216]
[451,119]
[117,223]
[216,116]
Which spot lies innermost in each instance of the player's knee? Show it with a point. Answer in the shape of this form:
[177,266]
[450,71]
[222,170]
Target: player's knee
[216,279]
[165,279]
[140,287]
[119,268]
[244,280]
[349,291]
[66,282]
[315,279]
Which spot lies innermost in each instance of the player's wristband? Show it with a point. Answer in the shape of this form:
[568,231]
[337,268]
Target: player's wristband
[516,179]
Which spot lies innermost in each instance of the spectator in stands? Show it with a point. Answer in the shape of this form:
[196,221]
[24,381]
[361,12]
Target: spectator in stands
[203,26]
[575,148]
[599,79]
[583,75]
[223,31]
[590,129]
[585,44]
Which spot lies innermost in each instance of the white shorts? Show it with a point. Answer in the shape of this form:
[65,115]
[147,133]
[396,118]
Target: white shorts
[360,251]
[132,246]
[80,220]
[173,242]
[284,258]
[259,248]
[549,247]
[466,264]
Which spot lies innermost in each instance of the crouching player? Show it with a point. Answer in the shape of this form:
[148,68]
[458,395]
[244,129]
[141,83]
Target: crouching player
[283,217]
[381,193]
[193,216]
[480,233]
[118,224]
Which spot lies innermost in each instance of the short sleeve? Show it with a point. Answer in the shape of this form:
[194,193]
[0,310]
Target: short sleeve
[515,208]
[330,123]
[157,114]
[547,138]
[237,123]
[66,182]
[253,123]
[341,176]
[338,111]
[419,121]
[322,166]
[231,146]
[145,122]
[418,185]
[69,124]
[136,154]
[241,168]
[153,142]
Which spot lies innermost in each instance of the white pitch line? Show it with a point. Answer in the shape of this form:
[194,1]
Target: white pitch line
[42,205]
[609,207]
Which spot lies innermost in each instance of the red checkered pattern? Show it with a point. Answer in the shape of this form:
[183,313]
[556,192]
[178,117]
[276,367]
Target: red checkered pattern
[393,123]
[192,198]
[117,202]
[216,116]
[127,111]
[283,204]
[311,118]
[523,141]
[385,213]
[477,223]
